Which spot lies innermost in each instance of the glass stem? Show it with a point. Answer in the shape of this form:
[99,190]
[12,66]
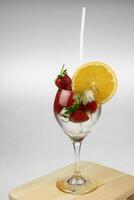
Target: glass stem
[77,148]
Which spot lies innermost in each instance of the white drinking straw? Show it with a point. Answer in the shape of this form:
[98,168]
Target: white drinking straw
[82,34]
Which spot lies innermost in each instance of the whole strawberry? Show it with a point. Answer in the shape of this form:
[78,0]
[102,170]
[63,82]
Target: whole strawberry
[63,81]
[79,116]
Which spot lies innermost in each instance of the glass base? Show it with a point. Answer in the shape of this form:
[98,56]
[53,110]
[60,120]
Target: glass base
[77,185]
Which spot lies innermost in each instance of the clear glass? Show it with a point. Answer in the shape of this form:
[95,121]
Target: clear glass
[77,131]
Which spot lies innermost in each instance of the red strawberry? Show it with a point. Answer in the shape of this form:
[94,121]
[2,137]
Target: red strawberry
[57,106]
[82,107]
[79,116]
[58,82]
[91,106]
[69,87]
[65,98]
[70,99]
[63,81]
[66,80]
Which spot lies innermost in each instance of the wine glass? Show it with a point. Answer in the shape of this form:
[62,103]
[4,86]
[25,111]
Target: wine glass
[76,119]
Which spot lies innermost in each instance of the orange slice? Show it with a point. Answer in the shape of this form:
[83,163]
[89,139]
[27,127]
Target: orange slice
[98,76]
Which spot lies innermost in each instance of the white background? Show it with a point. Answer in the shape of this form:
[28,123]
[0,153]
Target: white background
[36,38]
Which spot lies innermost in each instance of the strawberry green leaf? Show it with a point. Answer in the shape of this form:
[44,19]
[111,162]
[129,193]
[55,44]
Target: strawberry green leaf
[72,108]
[62,73]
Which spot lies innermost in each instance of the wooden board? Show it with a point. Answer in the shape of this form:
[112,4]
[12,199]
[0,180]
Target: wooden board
[116,185]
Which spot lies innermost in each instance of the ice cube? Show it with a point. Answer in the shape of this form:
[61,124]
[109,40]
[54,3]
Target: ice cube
[89,95]
[64,117]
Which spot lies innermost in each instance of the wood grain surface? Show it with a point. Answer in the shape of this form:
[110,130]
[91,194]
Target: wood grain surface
[115,185]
